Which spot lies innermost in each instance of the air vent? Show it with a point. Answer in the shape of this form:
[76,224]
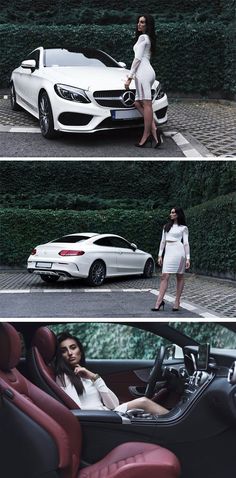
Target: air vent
[232,374]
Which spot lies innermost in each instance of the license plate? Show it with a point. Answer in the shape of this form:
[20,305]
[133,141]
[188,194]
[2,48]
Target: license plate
[44,265]
[125,114]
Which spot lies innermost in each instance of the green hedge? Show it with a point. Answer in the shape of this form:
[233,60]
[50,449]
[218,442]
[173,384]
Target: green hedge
[190,57]
[211,225]
[23,229]
[114,11]
[147,184]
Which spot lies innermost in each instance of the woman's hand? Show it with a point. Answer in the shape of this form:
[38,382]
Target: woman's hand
[187,264]
[159,261]
[127,83]
[84,372]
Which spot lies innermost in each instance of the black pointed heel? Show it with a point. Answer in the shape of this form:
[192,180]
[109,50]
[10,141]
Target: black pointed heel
[148,140]
[175,309]
[156,309]
[159,140]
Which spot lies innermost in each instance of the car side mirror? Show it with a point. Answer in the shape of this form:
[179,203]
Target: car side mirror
[122,64]
[29,64]
[134,247]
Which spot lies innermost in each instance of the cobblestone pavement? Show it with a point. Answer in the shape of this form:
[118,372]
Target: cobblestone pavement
[215,295]
[209,123]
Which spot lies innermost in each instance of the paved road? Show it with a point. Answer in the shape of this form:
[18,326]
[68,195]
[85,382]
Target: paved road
[104,144]
[92,305]
[194,129]
[26,295]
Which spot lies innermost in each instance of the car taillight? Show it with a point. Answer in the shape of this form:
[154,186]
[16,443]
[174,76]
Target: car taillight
[33,252]
[66,252]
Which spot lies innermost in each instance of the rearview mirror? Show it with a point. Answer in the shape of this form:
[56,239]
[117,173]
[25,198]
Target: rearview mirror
[134,247]
[30,64]
[122,64]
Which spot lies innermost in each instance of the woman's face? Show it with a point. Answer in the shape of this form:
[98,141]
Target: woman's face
[70,352]
[142,24]
[173,214]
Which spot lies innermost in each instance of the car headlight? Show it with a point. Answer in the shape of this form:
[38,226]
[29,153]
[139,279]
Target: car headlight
[159,92]
[72,94]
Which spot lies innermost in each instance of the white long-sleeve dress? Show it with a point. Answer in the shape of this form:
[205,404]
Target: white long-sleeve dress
[141,68]
[96,395]
[176,245]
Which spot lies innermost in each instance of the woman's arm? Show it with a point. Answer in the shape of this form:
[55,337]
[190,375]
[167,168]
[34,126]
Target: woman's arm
[162,244]
[186,243]
[186,247]
[139,51]
[109,399]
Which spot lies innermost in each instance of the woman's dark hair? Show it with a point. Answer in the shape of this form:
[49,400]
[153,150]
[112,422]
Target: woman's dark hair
[181,221]
[150,31]
[62,368]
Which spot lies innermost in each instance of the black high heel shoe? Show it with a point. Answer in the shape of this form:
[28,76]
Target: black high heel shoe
[162,304]
[159,140]
[148,140]
[175,309]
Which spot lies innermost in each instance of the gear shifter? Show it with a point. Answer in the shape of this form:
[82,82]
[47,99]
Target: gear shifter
[137,412]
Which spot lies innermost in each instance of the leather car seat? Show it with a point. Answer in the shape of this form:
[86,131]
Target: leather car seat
[41,438]
[41,368]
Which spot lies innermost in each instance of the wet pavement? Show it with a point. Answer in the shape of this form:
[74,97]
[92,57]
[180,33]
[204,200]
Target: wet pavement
[203,295]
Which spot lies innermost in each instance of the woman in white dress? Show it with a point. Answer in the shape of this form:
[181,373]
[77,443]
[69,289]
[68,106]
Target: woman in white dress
[144,75]
[87,388]
[176,258]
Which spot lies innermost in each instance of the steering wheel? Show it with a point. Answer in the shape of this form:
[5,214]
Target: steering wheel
[155,373]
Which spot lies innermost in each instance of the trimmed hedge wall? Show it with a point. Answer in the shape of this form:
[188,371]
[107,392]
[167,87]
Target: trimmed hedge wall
[190,57]
[114,11]
[147,184]
[211,225]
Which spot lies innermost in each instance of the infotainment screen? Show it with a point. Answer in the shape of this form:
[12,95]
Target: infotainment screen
[203,357]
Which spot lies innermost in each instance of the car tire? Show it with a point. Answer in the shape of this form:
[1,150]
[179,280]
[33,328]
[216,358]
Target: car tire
[46,122]
[97,273]
[47,278]
[148,268]
[14,104]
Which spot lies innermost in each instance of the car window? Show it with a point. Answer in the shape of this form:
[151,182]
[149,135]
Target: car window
[85,57]
[34,55]
[211,332]
[113,341]
[71,239]
[105,241]
[119,242]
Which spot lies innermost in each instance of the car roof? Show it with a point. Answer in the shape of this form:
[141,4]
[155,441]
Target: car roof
[91,234]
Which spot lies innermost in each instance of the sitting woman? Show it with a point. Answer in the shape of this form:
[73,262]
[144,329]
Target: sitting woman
[88,389]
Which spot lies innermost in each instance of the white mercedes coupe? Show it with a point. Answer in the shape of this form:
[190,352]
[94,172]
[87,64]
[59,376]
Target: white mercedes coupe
[91,256]
[80,92]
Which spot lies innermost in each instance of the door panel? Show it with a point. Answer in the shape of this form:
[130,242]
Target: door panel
[119,375]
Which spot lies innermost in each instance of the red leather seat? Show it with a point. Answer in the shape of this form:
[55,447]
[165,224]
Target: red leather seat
[41,369]
[41,438]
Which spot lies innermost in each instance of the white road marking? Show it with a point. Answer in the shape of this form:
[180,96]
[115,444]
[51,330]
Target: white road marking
[21,129]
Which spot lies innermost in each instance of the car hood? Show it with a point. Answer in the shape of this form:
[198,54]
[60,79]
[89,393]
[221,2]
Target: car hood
[88,78]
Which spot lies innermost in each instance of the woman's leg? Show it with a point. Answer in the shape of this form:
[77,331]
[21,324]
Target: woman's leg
[162,289]
[147,405]
[179,289]
[145,108]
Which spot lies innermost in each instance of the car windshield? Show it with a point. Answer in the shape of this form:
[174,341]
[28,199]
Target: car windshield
[88,57]
[71,239]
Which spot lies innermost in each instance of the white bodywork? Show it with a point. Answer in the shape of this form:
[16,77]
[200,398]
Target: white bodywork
[29,83]
[125,260]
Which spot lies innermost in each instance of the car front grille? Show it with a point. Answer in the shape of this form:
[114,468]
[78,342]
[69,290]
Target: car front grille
[116,98]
